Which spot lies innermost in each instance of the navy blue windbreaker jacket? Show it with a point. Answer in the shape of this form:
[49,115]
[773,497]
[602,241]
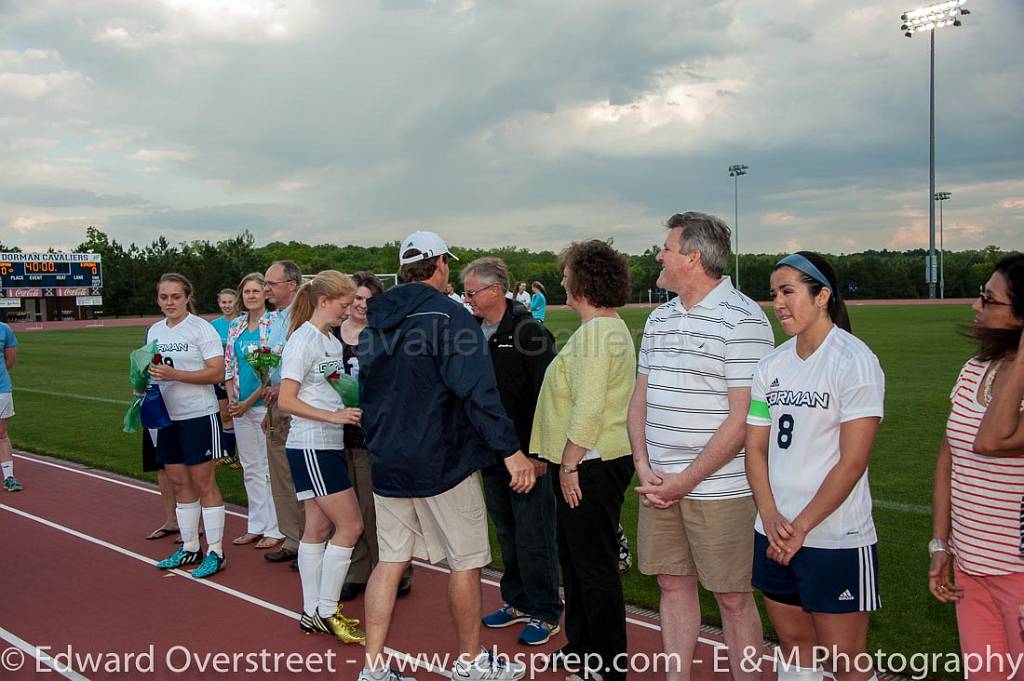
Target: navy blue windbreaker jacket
[432,414]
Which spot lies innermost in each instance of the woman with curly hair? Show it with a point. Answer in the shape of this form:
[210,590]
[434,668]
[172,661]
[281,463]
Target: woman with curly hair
[580,428]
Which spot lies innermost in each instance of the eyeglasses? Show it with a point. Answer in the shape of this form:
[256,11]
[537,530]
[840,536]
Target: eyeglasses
[473,294]
[268,282]
[986,300]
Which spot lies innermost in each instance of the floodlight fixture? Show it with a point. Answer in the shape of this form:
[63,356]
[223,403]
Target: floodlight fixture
[930,19]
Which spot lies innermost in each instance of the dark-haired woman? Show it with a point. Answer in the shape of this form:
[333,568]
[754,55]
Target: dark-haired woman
[365,554]
[192,362]
[580,428]
[816,402]
[979,478]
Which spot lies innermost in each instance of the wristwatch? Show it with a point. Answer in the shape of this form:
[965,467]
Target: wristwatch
[936,545]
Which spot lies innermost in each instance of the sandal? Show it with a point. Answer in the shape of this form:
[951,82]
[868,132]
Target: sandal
[161,532]
[269,542]
[247,538]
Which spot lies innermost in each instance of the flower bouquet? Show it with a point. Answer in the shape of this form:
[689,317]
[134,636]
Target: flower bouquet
[138,375]
[263,361]
[346,386]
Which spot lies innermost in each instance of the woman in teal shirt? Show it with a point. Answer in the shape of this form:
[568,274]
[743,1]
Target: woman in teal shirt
[245,404]
[539,302]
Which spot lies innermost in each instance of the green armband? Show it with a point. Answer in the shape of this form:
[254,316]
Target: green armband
[759,409]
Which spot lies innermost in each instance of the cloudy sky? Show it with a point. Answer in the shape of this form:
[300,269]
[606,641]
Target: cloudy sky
[502,122]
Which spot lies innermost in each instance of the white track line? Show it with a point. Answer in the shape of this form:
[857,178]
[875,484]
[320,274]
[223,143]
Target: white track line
[34,652]
[72,396]
[426,566]
[241,595]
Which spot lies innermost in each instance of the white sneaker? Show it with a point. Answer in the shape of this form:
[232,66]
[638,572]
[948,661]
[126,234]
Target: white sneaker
[487,667]
[392,675]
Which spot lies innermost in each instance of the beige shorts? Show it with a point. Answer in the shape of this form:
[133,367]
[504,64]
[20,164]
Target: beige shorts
[6,404]
[713,540]
[451,527]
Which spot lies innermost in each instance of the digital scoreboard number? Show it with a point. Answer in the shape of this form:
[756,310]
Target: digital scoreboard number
[50,270]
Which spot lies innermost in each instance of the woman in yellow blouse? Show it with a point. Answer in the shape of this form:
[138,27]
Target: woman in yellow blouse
[580,428]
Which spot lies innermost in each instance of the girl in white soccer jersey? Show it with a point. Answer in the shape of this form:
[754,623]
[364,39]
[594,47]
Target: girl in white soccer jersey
[316,452]
[816,402]
[191,362]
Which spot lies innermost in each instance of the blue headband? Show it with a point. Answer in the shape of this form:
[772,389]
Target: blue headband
[799,262]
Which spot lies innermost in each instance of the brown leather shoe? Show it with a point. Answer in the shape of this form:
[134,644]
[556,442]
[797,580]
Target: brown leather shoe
[281,555]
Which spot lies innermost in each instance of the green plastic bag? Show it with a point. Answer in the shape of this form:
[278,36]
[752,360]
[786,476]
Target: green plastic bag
[138,376]
[346,387]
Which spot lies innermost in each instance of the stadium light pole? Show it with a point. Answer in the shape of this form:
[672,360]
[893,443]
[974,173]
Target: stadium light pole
[735,171]
[932,18]
[940,197]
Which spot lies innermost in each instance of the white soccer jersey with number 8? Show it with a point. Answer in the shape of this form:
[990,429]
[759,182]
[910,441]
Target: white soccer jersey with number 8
[804,402]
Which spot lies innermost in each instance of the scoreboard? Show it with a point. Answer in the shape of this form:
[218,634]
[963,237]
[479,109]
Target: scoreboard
[50,271]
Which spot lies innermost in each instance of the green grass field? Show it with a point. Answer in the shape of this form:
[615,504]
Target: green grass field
[71,393]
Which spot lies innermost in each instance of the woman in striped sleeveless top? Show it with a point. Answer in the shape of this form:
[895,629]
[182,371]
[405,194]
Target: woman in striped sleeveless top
[978,497]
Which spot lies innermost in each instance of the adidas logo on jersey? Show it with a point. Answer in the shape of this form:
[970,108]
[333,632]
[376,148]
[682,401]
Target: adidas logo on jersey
[775,384]
[846,596]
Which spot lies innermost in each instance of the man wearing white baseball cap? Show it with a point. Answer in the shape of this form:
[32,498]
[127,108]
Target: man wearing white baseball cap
[432,417]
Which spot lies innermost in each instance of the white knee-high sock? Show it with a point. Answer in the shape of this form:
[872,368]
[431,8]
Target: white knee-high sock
[790,672]
[8,469]
[311,562]
[227,441]
[213,521]
[188,524]
[337,560]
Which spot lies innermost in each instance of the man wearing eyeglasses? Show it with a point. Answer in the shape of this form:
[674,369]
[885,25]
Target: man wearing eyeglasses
[521,350]
[281,281]
[432,417]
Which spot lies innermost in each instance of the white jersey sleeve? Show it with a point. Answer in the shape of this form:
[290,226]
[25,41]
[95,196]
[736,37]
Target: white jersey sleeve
[759,414]
[863,391]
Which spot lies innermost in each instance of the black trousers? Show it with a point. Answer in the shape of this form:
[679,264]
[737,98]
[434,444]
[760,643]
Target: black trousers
[595,609]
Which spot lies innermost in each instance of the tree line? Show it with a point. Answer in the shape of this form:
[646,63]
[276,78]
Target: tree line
[130,271]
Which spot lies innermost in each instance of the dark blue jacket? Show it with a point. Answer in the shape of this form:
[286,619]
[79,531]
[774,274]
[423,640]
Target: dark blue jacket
[432,414]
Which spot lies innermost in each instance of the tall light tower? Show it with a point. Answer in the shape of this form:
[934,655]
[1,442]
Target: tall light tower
[940,197]
[932,18]
[735,171]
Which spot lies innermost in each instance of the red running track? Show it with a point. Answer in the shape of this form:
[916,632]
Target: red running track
[78,575]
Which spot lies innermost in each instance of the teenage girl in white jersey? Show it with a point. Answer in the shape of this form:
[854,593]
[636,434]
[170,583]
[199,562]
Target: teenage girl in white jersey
[816,402]
[192,361]
[316,454]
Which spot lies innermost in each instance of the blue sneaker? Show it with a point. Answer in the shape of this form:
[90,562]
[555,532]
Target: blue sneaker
[538,632]
[179,558]
[505,617]
[11,484]
[211,565]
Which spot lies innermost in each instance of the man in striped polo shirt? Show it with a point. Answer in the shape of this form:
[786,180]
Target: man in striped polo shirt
[687,421]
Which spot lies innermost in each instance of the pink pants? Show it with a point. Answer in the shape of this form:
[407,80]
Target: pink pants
[988,617]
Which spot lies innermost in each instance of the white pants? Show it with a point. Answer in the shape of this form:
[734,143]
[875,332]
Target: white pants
[252,454]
